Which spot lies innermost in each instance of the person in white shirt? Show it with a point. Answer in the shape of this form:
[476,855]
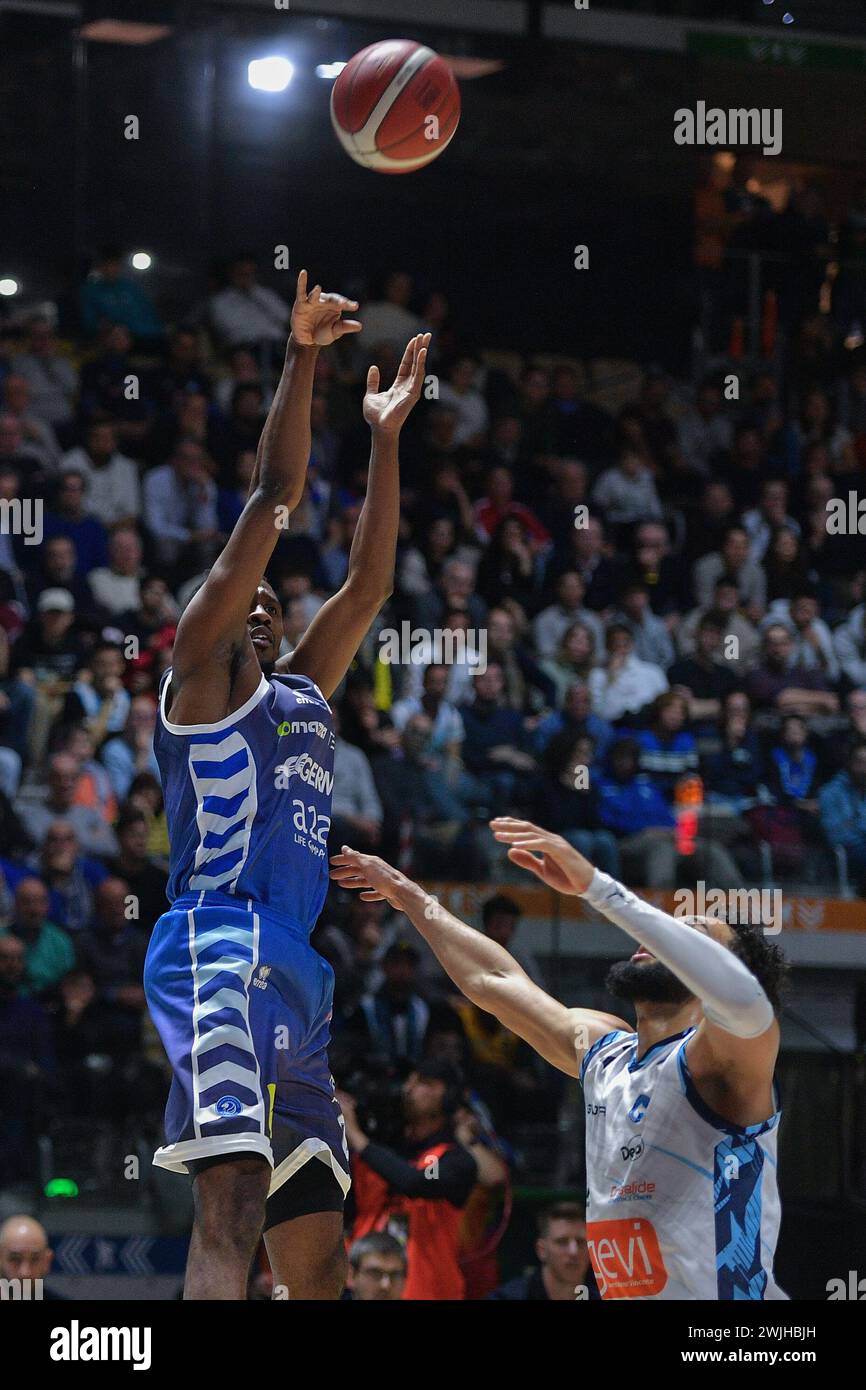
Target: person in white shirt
[245,311]
[813,641]
[460,393]
[180,509]
[388,320]
[116,586]
[762,521]
[37,435]
[703,432]
[624,685]
[626,493]
[52,379]
[849,641]
[112,488]
[551,624]
[448,732]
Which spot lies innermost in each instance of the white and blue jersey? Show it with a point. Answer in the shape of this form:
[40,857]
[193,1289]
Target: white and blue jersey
[241,1000]
[682,1204]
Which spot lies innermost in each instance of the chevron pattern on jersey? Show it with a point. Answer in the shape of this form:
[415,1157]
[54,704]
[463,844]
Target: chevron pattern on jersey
[223,773]
[739,1168]
[227,1095]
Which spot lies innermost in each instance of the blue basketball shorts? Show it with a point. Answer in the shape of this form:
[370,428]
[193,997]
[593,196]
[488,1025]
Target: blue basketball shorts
[242,1004]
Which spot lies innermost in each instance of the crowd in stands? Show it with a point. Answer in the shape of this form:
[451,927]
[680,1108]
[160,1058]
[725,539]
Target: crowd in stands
[601,600]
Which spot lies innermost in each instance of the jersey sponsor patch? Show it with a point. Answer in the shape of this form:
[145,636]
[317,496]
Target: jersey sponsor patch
[626,1258]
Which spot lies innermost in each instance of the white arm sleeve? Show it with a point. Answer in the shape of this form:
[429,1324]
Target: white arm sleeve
[729,992]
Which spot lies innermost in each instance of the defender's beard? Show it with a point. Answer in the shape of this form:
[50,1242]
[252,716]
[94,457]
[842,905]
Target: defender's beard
[650,983]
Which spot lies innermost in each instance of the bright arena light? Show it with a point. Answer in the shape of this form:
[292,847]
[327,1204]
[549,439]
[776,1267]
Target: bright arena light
[8,285]
[329,70]
[270,74]
[142,260]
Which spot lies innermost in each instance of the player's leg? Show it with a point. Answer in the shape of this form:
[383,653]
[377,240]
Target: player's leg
[304,1235]
[229,1195]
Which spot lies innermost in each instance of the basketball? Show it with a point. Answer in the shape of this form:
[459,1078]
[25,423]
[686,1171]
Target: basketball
[395,106]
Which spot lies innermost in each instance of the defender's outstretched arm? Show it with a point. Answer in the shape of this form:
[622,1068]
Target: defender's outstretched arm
[481,969]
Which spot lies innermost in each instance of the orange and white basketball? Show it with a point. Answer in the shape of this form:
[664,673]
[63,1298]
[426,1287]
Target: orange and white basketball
[395,106]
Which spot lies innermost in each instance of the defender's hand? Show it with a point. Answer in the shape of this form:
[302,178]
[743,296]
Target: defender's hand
[386,411]
[377,880]
[548,856]
[316,317]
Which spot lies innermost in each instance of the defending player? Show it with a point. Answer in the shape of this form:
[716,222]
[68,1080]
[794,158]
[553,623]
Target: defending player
[681,1115]
[245,746]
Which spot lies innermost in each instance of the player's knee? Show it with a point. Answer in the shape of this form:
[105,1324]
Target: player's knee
[326,1274]
[229,1201]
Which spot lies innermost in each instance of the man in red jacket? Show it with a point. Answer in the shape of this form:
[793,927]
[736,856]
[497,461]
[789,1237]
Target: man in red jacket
[418,1193]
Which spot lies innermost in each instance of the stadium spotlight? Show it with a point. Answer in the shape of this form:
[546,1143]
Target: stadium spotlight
[271,74]
[329,71]
[8,286]
[141,260]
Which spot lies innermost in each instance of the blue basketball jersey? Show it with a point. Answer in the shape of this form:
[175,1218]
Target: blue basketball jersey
[248,799]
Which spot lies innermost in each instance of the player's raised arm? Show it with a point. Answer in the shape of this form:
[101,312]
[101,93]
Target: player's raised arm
[739,1028]
[213,629]
[481,969]
[331,642]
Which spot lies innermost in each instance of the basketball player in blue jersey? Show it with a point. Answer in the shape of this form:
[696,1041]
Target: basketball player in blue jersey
[681,1111]
[245,746]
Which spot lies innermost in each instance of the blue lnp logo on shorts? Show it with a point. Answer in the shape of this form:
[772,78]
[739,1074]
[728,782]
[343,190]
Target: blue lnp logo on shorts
[228,1105]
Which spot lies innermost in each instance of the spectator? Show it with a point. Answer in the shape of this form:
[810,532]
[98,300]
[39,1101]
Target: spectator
[842,805]
[460,393]
[624,684]
[133,865]
[112,490]
[356,808]
[392,1022]
[526,684]
[180,509]
[508,572]
[576,718]
[109,296]
[424,817]
[126,754]
[573,662]
[71,878]
[94,835]
[49,649]
[245,311]
[112,952]
[626,493]
[70,519]
[741,640]
[668,750]
[778,683]
[448,734]
[58,569]
[705,678]
[734,563]
[116,587]
[389,319]
[52,378]
[704,434]
[377,1269]
[492,510]
[813,647]
[48,949]
[652,639]
[568,800]
[563,1273]
[37,435]
[656,569]
[98,697]
[25,1254]
[849,642]
[495,735]
[550,625]
[786,564]
[427,1180]
[635,809]
[733,764]
[762,522]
